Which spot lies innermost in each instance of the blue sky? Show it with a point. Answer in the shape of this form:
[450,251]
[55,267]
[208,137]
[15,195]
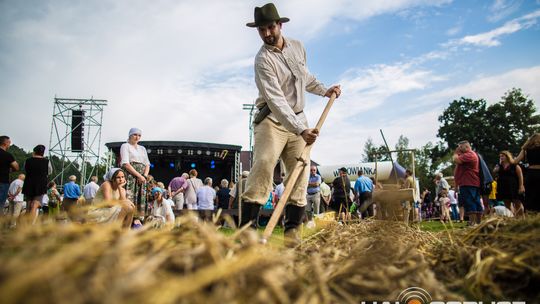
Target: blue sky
[181,70]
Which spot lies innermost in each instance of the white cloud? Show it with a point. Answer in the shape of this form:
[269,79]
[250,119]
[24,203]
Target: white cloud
[455,29]
[181,71]
[492,38]
[489,87]
[162,66]
[501,9]
[349,123]
[342,140]
[369,88]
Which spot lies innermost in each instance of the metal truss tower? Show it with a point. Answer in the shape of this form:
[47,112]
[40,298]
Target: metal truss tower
[76,136]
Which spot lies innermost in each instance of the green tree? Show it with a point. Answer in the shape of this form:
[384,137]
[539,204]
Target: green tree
[403,158]
[372,153]
[517,112]
[504,125]
[464,119]
[20,157]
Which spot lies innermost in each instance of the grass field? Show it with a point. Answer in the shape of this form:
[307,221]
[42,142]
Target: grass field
[435,226]
[277,234]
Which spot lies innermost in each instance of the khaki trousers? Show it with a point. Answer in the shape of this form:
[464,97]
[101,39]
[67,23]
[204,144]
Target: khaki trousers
[273,141]
[15,210]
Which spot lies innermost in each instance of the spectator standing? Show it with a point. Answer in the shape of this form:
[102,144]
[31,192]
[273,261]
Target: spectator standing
[509,183]
[54,199]
[468,180]
[16,199]
[326,196]
[493,193]
[444,201]
[223,194]
[37,169]
[340,196]
[134,161]
[363,189]
[280,188]
[177,187]
[72,192]
[440,184]
[206,199]
[409,206]
[313,196]
[90,190]
[452,195]
[427,204]
[190,195]
[530,152]
[7,164]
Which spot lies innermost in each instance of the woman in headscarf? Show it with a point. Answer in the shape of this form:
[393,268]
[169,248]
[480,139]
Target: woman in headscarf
[134,161]
[111,201]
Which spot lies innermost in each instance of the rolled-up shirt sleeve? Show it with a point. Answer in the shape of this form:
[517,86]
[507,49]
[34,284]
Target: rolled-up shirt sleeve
[124,154]
[268,85]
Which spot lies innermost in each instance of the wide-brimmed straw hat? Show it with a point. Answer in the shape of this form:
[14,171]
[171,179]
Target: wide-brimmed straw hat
[266,14]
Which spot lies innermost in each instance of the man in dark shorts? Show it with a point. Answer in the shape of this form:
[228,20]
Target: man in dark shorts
[7,164]
[468,180]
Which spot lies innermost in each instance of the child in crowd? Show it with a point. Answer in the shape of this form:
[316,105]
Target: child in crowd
[444,203]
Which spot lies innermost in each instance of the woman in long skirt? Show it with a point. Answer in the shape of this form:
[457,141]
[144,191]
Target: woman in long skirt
[135,163]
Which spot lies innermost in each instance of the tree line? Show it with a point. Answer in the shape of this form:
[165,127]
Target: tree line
[504,125]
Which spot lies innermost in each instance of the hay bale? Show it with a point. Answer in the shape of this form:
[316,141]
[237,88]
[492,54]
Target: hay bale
[498,259]
[195,263]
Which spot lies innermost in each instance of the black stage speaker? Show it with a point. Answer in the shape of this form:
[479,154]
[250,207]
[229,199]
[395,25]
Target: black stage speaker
[77,130]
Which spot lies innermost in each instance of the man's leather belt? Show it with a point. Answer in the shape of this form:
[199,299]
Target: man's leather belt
[263,112]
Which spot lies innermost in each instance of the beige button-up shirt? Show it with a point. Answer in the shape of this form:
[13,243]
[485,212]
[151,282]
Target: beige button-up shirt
[282,78]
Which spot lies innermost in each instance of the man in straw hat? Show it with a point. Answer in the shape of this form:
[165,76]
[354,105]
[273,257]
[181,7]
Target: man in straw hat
[281,128]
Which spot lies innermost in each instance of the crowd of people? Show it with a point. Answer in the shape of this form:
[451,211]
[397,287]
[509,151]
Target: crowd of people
[129,193]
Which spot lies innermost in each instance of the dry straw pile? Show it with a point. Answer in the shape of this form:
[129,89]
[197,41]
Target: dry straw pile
[196,263]
[498,259]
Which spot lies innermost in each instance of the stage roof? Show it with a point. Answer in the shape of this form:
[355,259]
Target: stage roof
[182,144]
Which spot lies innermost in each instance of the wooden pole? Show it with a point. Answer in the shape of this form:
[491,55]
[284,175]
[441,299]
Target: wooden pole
[293,177]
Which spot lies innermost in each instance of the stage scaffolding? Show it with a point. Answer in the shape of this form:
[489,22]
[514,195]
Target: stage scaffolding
[76,137]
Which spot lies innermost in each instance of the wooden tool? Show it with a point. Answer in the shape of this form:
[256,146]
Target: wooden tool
[293,176]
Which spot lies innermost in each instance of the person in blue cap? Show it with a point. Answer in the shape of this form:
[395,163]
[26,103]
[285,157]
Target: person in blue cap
[161,208]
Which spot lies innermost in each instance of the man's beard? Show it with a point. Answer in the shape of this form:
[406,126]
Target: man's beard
[270,40]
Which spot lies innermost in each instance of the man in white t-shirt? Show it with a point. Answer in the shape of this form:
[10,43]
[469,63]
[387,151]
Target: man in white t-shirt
[16,198]
[162,210]
[281,187]
[206,199]
[90,190]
